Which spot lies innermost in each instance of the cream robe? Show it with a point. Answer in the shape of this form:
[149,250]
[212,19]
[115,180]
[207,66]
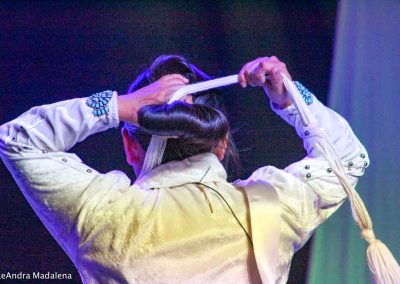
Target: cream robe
[165,228]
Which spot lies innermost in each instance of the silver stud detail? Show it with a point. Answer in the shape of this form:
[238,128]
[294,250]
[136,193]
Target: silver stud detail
[44,151]
[89,170]
[365,164]
[308,175]
[64,160]
[307,133]
[362,156]
[307,167]
[350,163]
[329,170]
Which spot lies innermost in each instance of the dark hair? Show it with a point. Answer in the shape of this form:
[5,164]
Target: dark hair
[195,129]
[198,127]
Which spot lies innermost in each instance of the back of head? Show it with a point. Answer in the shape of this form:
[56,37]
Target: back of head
[176,64]
[195,128]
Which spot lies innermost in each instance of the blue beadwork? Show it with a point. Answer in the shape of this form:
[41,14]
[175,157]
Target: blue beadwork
[99,102]
[305,93]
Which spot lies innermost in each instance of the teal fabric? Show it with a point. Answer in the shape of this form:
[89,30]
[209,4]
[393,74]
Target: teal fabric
[365,89]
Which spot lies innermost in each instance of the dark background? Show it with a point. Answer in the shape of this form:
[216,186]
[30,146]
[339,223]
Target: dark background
[57,51]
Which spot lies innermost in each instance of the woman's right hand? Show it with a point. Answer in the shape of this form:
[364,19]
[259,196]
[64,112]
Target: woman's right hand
[266,72]
[158,92]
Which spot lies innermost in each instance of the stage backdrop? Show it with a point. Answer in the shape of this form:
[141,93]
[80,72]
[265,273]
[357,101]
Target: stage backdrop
[365,88]
[54,50]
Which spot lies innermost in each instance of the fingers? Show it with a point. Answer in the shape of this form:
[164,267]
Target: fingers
[267,67]
[263,70]
[167,85]
[171,82]
[168,91]
[275,78]
[187,99]
[160,91]
[171,78]
[242,77]
[245,72]
[250,75]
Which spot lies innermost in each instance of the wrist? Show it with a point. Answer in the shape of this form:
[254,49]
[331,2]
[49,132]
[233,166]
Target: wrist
[278,98]
[128,108]
[281,105]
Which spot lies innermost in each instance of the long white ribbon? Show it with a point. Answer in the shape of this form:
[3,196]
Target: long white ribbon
[203,86]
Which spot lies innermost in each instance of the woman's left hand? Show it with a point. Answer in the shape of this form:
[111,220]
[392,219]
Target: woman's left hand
[158,92]
[266,72]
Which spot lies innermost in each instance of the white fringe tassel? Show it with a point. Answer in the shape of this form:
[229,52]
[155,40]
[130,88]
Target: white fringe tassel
[383,265]
[154,154]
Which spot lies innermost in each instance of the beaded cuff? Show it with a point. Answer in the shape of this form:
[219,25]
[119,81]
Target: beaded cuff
[305,93]
[99,102]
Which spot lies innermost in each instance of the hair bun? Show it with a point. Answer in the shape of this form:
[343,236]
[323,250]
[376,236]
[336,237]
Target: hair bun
[183,120]
[198,128]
